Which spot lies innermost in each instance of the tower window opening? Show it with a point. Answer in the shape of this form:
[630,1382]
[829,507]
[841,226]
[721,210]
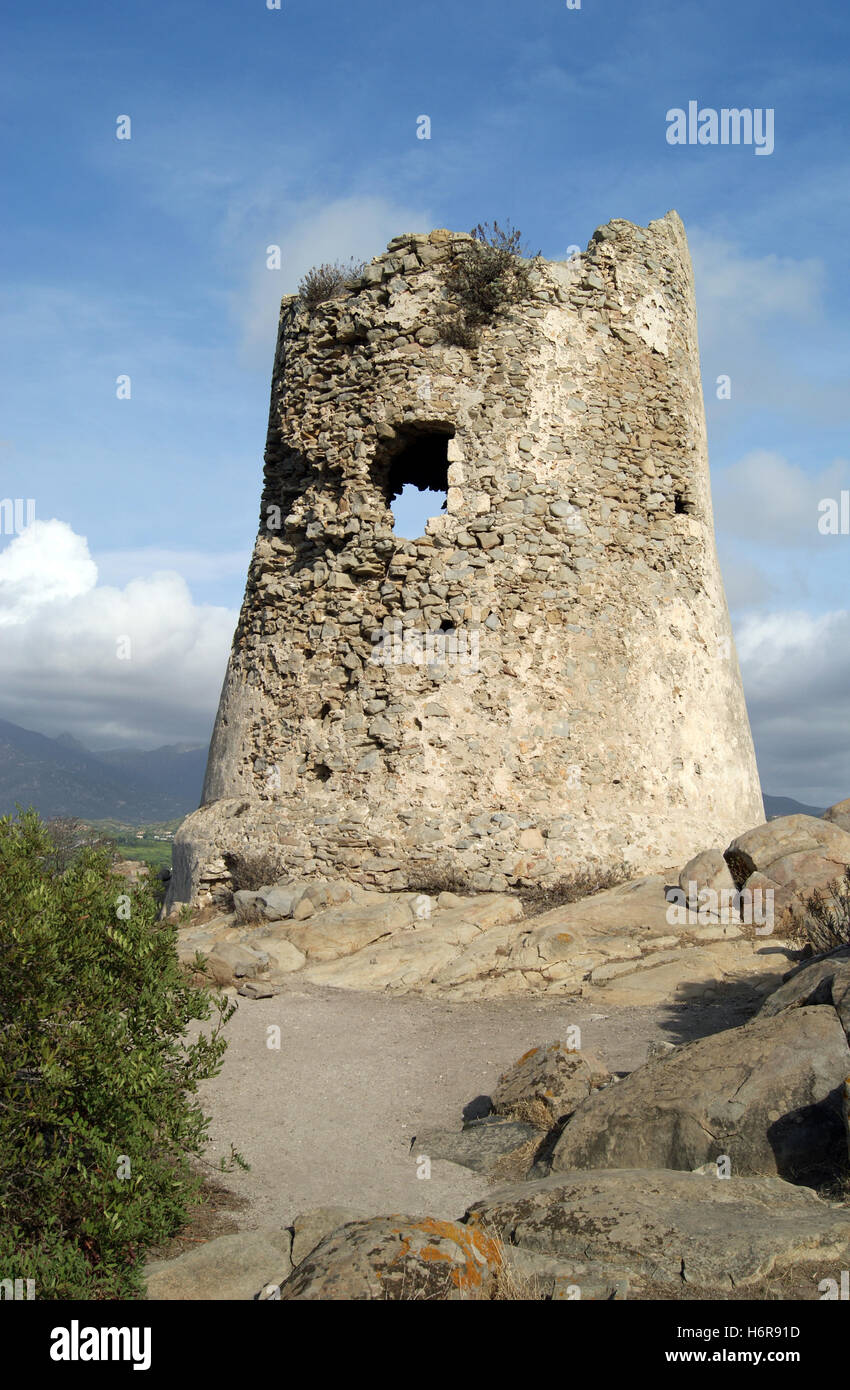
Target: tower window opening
[414,476]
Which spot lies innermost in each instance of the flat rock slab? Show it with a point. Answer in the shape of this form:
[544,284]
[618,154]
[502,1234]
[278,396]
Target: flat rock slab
[670,1227]
[479,1146]
[691,974]
[340,931]
[767,1095]
[399,962]
[637,907]
[397,1257]
[481,947]
[229,1267]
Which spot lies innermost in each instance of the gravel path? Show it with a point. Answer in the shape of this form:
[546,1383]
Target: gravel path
[328,1118]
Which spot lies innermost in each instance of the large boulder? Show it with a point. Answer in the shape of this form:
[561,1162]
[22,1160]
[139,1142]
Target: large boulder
[283,956]
[229,960]
[839,814]
[398,1257]
[767,1095]
[310,1227]
[670,1228]
[822,981]
[482,1145]
[791,855]
[552,1079]
[763,847]
[707,870]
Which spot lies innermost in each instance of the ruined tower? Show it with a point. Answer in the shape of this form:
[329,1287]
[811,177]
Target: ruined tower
[546,679]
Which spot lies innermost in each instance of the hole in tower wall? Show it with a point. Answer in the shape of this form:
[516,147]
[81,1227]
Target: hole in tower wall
[412,472]
[683,504]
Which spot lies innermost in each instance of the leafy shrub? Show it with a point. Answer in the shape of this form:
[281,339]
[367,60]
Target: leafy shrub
[249,872]
[98,1121]
[484,278]
[325,281]
[821,920]
[69,837]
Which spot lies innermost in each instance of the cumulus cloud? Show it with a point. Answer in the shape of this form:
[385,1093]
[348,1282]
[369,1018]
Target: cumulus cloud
[142,664]
[738,292]
[46,564]
[773,501]
[764,323]
[796,672]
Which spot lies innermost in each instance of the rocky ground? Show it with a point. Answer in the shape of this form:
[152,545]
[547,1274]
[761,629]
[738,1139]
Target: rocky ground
[363,1079]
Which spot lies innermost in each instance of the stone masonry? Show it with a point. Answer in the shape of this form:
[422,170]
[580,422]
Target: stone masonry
[546,680]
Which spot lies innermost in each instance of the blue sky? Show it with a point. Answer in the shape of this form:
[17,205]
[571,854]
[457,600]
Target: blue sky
[297,127]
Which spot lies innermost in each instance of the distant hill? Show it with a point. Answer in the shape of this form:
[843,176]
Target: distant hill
[61,777]
[787,806]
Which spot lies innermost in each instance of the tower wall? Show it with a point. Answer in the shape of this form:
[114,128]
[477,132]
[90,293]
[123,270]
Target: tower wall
[546,679]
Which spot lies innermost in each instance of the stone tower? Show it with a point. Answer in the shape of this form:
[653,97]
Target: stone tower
[544,681]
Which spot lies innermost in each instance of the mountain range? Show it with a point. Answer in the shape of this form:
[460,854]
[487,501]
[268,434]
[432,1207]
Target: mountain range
[61,777]
[786,806]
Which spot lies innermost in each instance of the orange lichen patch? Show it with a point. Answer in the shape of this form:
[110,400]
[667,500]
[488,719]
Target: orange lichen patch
[443,1230]
[477,1250]
[563,936]
[487,1247]
[404,1245]
[468,1277]
[431,1253]
[525,1056]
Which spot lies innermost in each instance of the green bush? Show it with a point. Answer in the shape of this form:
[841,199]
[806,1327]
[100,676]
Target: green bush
[98,1121]
[484,278]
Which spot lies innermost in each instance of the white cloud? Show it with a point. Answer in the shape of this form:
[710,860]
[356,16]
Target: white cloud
[64,635]
[796,673]
[46,564]
[773,501]
[738,293]
[764,322]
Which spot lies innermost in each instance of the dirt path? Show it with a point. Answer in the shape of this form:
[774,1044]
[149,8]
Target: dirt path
[327,1119]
